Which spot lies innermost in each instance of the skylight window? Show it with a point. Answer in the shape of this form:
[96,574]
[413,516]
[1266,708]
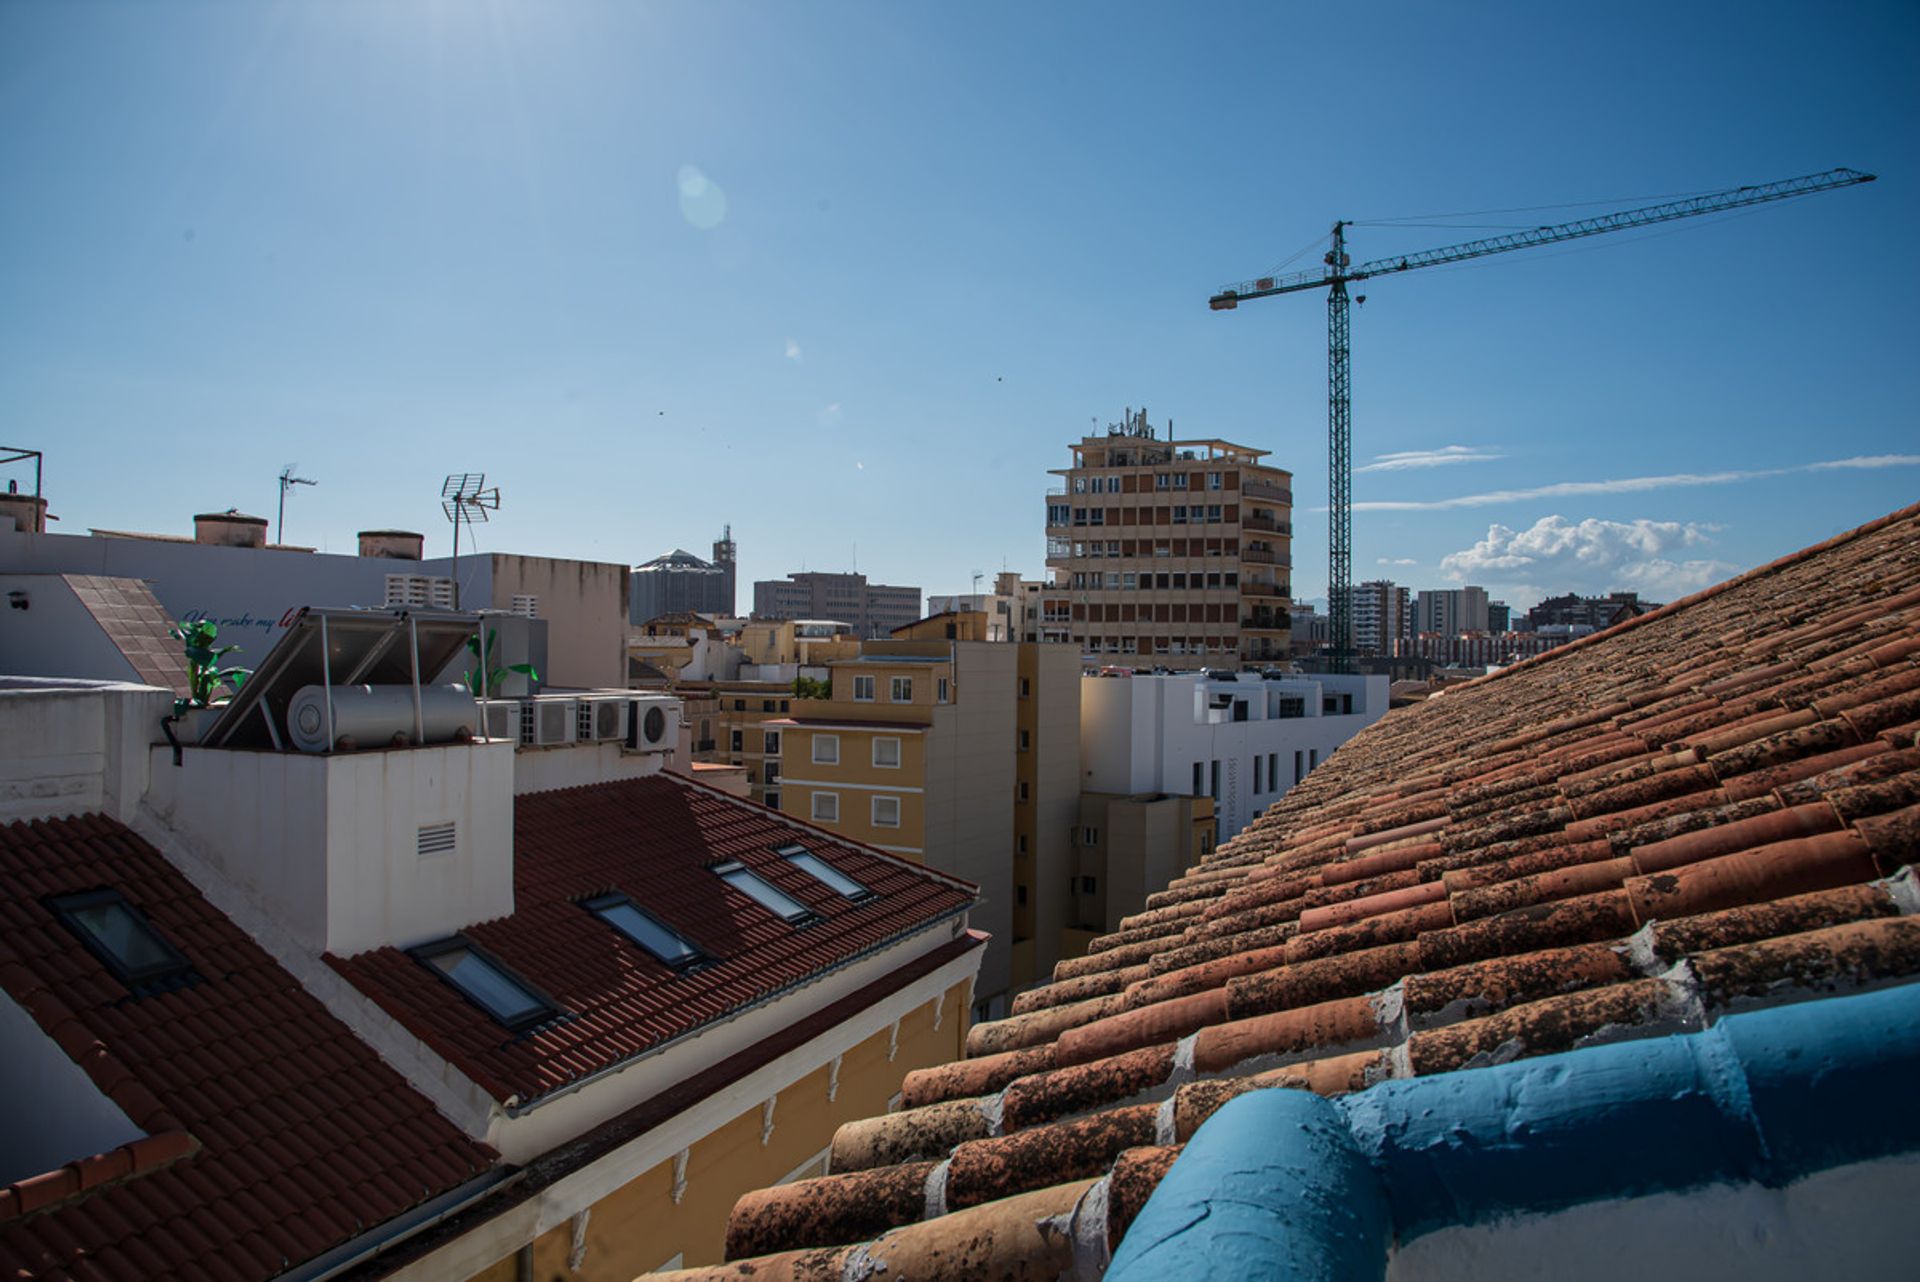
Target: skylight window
[646,930]
[764,893]
[485,982]
[115,931]
[825,873]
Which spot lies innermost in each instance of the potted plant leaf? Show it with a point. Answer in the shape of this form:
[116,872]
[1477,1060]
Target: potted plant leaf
[209,685]
[484,662]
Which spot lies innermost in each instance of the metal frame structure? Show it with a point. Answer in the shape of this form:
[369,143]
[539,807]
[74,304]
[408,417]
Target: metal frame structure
[1337,272]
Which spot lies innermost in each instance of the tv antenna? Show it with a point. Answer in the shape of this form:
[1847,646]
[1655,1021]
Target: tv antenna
[287,481]
[465,499]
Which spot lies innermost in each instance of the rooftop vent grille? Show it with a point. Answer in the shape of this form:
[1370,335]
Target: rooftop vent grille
[436,839]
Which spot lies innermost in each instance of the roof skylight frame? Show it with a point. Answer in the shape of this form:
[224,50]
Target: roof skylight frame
[602,906]
[810,863]
[764,893]
[141,977]
[540,1009]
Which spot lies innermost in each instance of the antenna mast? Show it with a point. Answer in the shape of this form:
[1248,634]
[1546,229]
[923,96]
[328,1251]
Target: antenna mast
[465,499]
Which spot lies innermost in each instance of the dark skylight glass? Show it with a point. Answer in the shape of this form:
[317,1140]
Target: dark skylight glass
[485,983]
[825,873]
[644,929]
[115,932]
[768,896]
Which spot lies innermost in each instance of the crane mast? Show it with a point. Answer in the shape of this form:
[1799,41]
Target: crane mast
[1338,272]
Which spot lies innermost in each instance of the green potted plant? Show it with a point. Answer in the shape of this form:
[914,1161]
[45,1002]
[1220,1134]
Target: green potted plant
[209,685]
[496,675]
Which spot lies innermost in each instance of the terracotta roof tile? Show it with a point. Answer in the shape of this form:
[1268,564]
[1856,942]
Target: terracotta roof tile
[218,1069]
[653,839]
[1708,806]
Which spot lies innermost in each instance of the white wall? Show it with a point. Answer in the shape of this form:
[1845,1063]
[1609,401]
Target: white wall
[55,636]
[1143,734]
[330,843]
[71,747]
[575,765]
[59,1114]
[1851,1222]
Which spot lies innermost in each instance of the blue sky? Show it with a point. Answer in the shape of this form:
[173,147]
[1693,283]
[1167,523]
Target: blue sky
[850,276]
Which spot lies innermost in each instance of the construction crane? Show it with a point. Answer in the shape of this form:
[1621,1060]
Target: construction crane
[1338,271]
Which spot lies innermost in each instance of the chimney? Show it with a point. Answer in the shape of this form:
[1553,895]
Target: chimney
[27,511]
[396,545]
[231,528]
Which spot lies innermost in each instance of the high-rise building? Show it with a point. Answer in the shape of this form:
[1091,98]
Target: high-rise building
[874,609]
[1451,610]
[1174,551]
[682,583]
[1382,615]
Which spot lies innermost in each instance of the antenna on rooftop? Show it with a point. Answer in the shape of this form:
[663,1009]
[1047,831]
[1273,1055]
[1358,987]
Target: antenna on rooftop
[465,499]
[287,481]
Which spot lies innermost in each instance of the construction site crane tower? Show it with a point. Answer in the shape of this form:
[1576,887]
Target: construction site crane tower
[1338,271]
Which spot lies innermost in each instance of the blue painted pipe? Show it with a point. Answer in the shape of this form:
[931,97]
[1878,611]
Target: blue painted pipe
[1283,1184]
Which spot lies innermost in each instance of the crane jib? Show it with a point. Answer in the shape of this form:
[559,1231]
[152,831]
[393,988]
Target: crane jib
[1339,352]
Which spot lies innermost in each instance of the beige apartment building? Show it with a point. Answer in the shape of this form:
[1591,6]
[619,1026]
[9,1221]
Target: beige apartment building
[961,754]
[1173,552]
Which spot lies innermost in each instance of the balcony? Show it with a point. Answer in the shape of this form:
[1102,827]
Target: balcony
[1259,556]
[1267,490]
[1264,623]
[1252,522]
[1250,588]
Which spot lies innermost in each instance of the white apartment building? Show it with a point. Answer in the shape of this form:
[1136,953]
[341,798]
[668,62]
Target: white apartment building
[1451,610]
[1242,740]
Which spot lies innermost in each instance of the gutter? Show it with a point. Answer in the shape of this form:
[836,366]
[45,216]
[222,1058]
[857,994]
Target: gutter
[357,1251]
[1284,1184]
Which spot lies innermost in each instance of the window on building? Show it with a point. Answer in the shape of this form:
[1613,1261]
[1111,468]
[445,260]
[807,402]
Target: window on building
[825,873]
[1213,512]
[485,982]
[943,690]
[886,812]
[1214,482]
[826,750]
[1026,740]
[783,705]
[1026,687]
[1180,514]
[771,741]
[1079,485]
[773,801]
[1299,769]
[765,893]
[1129,580]
[901,690]
[773,771]
[117,933]
[1087,885]
[738,741]
[1273,771]
[1199,777]
[1020,892]
[644,929]
[826,808]
[863,689]
[739,705]
[1258,765]
[1023,790]
[886,752]
[1089,836]
[1213,777]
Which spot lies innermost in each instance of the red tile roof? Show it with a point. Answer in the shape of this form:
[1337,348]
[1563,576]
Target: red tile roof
[1710,805]
[273,1133]
[653,839]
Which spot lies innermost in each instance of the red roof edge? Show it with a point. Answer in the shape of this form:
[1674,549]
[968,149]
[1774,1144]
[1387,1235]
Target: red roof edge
[1712,590]
[83,1175]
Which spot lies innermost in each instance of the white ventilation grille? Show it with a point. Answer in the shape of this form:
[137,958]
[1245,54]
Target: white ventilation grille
[526,606]
[436,839]
[419,589]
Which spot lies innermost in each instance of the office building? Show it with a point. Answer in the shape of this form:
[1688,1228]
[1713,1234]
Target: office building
[1451,611]
[1382,617]
[1173,551]
[873,609]
[681,582]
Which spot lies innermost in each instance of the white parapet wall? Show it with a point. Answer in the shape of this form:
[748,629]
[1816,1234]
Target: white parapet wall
[350,851]
[70,747]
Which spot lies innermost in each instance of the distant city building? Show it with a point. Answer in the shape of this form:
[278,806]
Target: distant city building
[1482,649]
[1042,610]
[1451,610]
[1311,631]
[1595,612]
[681,582]
[874,609]
[1382,615]
[1499,616]
[1174,551]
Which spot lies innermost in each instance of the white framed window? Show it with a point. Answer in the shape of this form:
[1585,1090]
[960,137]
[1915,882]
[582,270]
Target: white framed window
[826,807]
[772,742]
[944,689]
[886,812]
[886,752]
[863,689]
[902,690]
[826,750]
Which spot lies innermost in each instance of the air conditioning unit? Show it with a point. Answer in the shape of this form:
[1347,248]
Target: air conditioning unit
[603,718]
[550,721]
[500,718]
[653,725]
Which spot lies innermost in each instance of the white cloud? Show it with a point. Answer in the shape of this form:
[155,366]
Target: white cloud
[793,351]
[1404,460]
[1398,560]
[1637,484]
[829,415]
[1591,557]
